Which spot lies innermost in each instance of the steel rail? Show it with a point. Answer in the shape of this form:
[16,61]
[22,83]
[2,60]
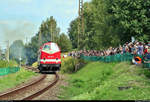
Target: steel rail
[31,68]
[44,89]
[42,77]
[6,94]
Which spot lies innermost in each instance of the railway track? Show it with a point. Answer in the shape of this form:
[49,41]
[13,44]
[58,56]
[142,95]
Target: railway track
[43,90]
[31,68]
[14,94]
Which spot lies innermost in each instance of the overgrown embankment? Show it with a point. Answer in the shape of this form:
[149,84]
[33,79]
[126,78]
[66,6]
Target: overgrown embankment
[71,65]
[13,80]
[113,81]
[5,64]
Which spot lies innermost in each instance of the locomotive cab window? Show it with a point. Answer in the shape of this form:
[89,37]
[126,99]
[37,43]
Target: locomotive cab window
[46,47]
[54,47]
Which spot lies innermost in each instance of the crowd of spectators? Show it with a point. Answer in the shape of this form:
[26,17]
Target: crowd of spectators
[135,47]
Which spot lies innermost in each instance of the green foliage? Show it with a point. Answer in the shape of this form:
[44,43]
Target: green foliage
[72,32]
[31,51]
[1,55]
[99,33]
[104,80]
[112,22]
[35,64]
[48,28]
[17,50]
[69,64]
[64,43]
[132,18]
[5,64]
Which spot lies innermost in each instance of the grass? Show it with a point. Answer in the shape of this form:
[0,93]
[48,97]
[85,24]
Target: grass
[13,80]
[5,64]
[101,81]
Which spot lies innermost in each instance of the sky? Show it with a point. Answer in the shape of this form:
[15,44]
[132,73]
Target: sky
[21,19]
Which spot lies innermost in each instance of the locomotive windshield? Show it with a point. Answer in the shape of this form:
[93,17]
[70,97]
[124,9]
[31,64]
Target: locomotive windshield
[54,47]
[46,47]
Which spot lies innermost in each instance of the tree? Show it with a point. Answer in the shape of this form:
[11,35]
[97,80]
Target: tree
[73,33]
[48,31]
[132,18]
[64,43]
[1,54]
[17,50]
[99,33]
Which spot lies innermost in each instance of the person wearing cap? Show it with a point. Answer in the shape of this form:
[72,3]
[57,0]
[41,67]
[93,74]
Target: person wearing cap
[148,43]
[145,49]
[148,50]
[132,49]
[140,48]
[147,55]
[124,50]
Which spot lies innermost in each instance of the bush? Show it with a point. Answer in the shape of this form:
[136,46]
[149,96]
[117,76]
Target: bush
[12,64]
[4,64]
[68,64]
[35,64]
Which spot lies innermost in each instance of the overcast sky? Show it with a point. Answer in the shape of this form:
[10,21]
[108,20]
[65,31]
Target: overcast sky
[21,18]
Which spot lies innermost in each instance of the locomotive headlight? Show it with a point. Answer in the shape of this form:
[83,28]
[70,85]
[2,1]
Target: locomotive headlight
[56,60]
[44,60]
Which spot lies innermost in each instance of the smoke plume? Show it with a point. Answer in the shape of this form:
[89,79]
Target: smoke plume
[16,30]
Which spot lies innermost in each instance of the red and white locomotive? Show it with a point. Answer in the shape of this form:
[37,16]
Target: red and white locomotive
[49,57]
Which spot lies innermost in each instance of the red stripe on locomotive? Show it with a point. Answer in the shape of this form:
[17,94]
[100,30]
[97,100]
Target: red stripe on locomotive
[49,57]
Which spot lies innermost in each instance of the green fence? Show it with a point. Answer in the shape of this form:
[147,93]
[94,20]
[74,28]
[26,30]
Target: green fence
[112,58]
[116,58]
[9,70]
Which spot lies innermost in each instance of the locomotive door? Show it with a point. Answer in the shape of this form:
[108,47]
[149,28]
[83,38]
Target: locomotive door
[38,60]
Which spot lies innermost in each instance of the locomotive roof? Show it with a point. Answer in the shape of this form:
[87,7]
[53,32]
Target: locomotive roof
[48,43]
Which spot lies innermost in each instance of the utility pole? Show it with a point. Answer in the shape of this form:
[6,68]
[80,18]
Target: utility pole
[0,53]
[40,38]
[26,40]
[82,17]
[52,36]
[20,57]
[51,32]
[81,30]
[7,51]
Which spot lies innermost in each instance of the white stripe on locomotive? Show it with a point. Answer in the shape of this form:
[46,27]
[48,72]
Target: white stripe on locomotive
[50,60]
